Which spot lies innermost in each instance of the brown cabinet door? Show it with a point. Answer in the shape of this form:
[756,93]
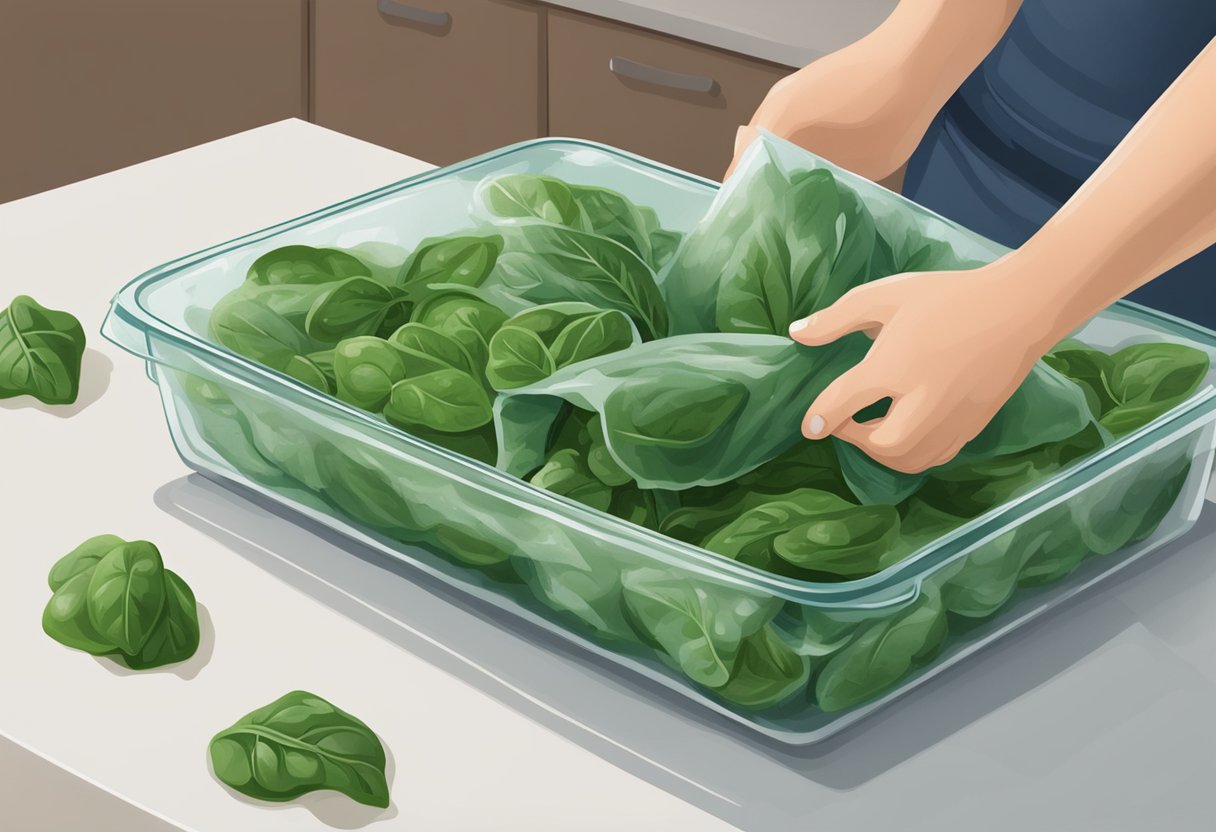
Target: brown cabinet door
[441,80]
[668,99]
[89,86]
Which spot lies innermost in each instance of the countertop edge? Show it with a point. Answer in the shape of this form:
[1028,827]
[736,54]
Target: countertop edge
[749,44]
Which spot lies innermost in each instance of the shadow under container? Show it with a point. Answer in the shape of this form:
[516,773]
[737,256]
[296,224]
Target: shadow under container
[584,574]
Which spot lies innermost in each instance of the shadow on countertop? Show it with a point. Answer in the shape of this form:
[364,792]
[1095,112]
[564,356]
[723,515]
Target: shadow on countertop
[638,725]
[95,370]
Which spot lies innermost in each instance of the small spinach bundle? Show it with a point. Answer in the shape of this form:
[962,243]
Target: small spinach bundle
[297,744]
[40,352]
[114,598]
[536,343]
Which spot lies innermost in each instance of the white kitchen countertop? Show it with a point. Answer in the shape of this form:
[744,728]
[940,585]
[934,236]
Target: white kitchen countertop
[788,32]
[1098,716]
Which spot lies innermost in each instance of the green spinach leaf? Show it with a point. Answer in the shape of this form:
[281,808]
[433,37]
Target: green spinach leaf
[356,306]
[549,263]
[767,672]
[469,321]
[115,598]
[699,624]
[1148,380]
[849,542]
[534,344]
[255,331]
[365,369]
[460,261]
[447,400]
[304,265]
[528,195]
[40,352]
[126,594]
[66,617]
[882,653]
[175,637]
[82,559]
[566,473]
[750,537]
[297,744]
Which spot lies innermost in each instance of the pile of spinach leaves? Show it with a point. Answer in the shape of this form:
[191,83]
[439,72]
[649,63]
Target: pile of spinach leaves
[116,598]
[570,339]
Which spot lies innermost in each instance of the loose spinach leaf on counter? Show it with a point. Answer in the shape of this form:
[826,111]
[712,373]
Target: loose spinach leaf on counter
[534,344]
[297,744]
[116,598]
[40,352]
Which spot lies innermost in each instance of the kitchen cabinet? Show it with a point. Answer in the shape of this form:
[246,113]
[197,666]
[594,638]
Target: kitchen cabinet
[439,79]
[88,87]
[669,99]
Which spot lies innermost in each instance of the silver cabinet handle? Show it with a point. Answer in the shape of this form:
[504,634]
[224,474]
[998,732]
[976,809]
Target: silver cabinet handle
[413,14]
[660,77]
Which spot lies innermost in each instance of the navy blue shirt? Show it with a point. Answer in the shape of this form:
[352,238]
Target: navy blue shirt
[1060,90]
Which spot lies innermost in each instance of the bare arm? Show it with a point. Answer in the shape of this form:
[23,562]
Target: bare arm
[868,105]
[1150,206]
[951,347]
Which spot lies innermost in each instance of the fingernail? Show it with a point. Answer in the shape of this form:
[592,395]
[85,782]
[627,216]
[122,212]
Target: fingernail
[800,325]
[815,426]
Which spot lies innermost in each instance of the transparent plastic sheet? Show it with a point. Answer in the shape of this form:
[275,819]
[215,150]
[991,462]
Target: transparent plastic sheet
[795,659]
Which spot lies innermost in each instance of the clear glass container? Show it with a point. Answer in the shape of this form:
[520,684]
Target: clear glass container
[575,570]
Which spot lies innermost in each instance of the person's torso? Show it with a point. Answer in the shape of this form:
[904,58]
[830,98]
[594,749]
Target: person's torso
[1069,80]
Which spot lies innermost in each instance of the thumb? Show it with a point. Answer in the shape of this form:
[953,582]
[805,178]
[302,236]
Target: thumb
[857,311]
[850,392]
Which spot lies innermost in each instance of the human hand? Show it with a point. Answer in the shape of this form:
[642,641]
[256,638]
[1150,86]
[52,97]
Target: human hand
[949,348]
[849,107]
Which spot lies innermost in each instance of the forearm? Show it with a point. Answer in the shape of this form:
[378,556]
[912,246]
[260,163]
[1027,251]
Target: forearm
[933,45]
[1150,206]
